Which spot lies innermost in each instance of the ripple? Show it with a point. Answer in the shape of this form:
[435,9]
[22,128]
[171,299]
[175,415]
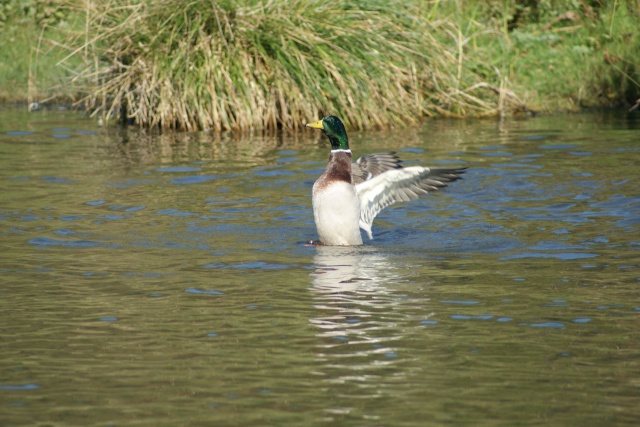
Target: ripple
[498,154]
[463,302]
[71,217]
[19,387]
[111,217]
[565,256]
[56,180]
[65,232]
[547,325]
[515,165]
[558,147]
[19,133]
[203,291]
[628,223]
[130,183]
[547,245]
[472,317]
[134,208]
[270,173]
[412,150]
[174,212]
[248,265]
[195,179]
[173,169]
[45,241]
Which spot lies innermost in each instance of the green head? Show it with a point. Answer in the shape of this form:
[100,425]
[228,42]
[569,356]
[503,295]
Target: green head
[335,131]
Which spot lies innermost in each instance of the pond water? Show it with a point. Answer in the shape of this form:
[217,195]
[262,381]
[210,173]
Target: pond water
[164,280]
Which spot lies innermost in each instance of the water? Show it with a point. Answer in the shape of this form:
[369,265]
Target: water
[163,280]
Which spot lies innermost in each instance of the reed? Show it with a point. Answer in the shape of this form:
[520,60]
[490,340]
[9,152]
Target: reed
[271,64]
[243,64]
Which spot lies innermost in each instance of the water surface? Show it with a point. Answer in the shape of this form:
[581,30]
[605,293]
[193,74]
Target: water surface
[163,280]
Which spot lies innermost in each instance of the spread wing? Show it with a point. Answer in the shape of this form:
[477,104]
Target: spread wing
[399,185]
[367,167]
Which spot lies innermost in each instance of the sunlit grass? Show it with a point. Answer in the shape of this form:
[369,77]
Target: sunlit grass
[30,32]
[28,64]
[281,63]
[269,64]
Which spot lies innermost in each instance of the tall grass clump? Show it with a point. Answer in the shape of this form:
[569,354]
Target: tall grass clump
[248,64]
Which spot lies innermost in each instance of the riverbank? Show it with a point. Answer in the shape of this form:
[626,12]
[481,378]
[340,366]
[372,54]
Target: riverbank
[242,65]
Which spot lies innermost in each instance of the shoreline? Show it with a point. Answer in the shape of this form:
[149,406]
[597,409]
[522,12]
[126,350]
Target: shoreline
[506,61]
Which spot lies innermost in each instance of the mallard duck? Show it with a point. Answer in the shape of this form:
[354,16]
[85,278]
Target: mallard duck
[348,196]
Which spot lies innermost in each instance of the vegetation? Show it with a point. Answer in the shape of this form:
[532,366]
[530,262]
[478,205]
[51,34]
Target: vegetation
[239,65]
[251,64]
[28,61]
[564,55]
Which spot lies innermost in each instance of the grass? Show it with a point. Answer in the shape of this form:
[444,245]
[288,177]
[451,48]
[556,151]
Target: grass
[30,36]
[21,50]
[582,60]
[249,64]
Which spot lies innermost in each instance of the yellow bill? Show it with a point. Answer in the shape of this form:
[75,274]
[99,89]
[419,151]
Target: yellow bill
[315,125]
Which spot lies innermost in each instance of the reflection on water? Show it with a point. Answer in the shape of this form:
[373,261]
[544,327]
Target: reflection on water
[350,290]
[163,279]
[354,303]
[341,270]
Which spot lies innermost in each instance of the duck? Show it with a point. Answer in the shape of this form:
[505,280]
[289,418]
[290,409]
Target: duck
[348,196]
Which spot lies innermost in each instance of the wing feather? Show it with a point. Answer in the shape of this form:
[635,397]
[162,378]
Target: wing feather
[399,185]
[372,165]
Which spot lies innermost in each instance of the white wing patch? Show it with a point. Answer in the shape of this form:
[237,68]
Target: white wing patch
[396,185]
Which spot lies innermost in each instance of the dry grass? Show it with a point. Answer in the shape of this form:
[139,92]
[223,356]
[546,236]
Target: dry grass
[268,64]
[239,65]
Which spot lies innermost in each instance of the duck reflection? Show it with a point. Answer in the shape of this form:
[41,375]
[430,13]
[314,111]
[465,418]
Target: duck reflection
[356,301]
